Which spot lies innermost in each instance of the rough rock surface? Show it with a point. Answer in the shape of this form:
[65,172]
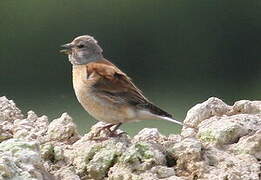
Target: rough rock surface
[217,142]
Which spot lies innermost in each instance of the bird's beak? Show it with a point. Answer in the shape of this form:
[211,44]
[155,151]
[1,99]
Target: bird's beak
[67,48]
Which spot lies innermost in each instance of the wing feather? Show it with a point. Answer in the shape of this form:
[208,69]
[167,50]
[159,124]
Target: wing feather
[116,86]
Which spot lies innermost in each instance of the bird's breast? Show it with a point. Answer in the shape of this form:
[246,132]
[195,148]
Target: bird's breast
[82,86]
[100,108]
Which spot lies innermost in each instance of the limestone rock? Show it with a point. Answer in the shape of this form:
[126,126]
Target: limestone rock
[188,156]
[218,141]
[149,134]
[62,129]
[225,165]
[5,131]
[8,110]
[250,144]
[163,171]
[228,129]
[8,113]
[94,158]
[66,174]
[212,107]
[21,160]
[30,128]
[246,107]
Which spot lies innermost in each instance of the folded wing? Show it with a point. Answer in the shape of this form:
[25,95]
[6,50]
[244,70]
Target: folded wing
[116,86]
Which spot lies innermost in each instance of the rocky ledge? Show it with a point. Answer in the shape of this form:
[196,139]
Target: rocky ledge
[217,142]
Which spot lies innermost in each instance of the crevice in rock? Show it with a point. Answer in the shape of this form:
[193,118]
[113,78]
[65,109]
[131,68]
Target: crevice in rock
[170,161]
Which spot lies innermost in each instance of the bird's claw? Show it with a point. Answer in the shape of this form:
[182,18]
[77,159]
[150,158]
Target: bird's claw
[110,133]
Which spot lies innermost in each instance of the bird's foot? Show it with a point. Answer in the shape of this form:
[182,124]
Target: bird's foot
[109,132]
[115,134]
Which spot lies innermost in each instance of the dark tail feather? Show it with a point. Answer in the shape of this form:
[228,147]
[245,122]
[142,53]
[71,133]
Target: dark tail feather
[157,111]
[160,113]
[154,109]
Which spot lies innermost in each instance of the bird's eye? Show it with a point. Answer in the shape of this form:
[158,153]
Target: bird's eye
[80,46]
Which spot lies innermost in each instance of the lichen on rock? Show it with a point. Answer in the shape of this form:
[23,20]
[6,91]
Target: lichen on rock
[21,160]
[217,141]
[228,129]
[250,144]
[62,129]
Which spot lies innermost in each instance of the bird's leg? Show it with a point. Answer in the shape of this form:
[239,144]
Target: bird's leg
[107,126]
[98,132]
[113,131]
[116,127]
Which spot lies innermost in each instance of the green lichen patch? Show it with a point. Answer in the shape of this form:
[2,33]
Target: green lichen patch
[101,162]
[15,145]
[93,159]
[58,153]
[19,159]
[207,136]
[47,151]
[137,152]
[83,155]
[141,156]
[227,133]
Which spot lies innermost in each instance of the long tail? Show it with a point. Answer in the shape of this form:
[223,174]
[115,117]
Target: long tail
[159,113]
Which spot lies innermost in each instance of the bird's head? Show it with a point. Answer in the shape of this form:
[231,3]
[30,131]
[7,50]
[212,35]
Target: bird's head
[82,50]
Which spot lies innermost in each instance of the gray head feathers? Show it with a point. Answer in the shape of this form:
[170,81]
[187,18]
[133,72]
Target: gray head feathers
[82,50]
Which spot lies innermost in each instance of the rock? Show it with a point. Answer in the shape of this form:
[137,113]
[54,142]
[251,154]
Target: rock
[228,129]
[8,110]
[5,131]
[187,155]
[94,158]
[250,144]
[218,141]
[163,171]
[246,107]
[66,174]
[47,151]
[8,113]
[101,162]
[62,129]
[119,172]
[142,156]
[188,132]
[21,160]
[212,107]
[147,134]
[225,165]
[30,128]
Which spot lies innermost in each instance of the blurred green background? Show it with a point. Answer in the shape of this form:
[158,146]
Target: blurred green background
[179,52]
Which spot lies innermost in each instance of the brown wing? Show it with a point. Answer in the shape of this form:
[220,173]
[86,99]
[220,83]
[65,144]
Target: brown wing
[116,86]
[113,83]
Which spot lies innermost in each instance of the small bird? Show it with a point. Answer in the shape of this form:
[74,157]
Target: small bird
[103,90]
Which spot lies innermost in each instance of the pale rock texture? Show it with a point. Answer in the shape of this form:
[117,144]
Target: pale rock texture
[8,113]
[8,110]
[217,142]
[212,107]
[250,144]
[21,160]
[30,128]
[62,129]
[246,107]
